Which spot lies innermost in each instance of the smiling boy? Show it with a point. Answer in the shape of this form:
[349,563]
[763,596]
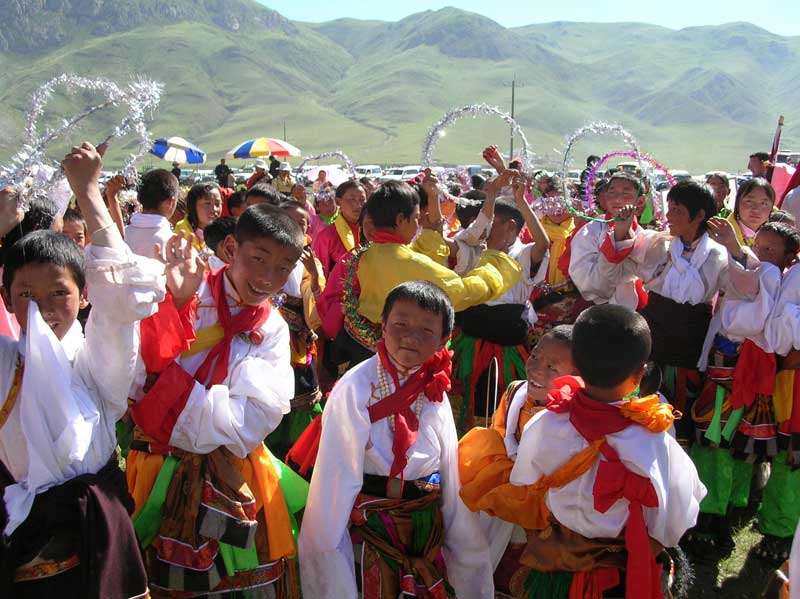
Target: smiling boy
[210,510]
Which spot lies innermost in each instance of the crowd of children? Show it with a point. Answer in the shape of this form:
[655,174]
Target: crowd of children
[270,396]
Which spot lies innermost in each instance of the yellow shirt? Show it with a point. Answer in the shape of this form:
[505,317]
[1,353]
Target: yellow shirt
[184,226]
[384,266]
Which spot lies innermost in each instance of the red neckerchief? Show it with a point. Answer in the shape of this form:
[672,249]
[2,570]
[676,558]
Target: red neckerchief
[384,237]
[432,378]
[247,319]
[594,420]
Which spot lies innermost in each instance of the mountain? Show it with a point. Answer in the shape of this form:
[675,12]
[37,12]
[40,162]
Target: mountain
[698,98]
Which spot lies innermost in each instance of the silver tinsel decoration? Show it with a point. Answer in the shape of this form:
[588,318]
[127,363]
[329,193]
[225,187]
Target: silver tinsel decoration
[473,110]
[140,97]
[596,128]
[348,164]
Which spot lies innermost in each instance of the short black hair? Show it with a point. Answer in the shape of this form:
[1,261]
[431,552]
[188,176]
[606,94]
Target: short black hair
[760,155]
[609,344]
[694,197]
[507,210]
[73,216]
[346,186]
[468,212]
[291,204]
[591,159]
[477,181]
[217,230]
[790,235]
[748,186]
[235,200]
[561,333]
[267,192]
[45,247]
[389,201]
[427,296]
[41,214]
[157,186]
[721,176]
[266,221]
[197,193]
[781,216]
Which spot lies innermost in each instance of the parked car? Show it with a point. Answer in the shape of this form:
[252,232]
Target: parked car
[373,171]
[401,173]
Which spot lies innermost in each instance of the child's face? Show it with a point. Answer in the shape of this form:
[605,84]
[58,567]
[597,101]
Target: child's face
[503,232]
[770,247]
[76,231]
[549,360]
[326,205]
[754,208]
[209,207]
[299,216]
[412,334]
[407,227]
[55,291]
[619,194]
[351,204]
[720,189]
[680,222]
[260,268]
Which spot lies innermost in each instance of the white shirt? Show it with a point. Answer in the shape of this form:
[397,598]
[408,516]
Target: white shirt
[74,390]
[147,230]
[250,402]
[351,446]
[520,293]
[549,440]
[593,275]
[783,324]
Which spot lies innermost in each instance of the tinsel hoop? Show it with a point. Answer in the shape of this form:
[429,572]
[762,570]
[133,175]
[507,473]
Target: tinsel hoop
[597,128]
[140,98]
[348,164]
[647,165]
[438,129]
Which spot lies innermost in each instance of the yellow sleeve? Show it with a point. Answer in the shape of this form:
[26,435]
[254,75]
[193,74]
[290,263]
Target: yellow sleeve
[433,245]
[310,314]
[384,266]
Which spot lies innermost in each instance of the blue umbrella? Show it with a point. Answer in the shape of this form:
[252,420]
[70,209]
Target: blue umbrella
[177,149]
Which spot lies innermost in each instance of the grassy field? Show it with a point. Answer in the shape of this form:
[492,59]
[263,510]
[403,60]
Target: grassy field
[697,99]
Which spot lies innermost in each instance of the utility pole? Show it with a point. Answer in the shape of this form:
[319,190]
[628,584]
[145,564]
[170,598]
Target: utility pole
[513,90]
[284,131]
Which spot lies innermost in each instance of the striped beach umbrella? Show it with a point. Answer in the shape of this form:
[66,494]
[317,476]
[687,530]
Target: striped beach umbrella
[263,146]
[177,149]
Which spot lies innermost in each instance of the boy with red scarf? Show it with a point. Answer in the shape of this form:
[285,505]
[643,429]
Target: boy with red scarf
[210,511]
[386,477]
[589,465]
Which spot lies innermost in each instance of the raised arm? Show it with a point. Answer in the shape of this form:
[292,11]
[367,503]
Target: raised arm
[82,168]
[540,239]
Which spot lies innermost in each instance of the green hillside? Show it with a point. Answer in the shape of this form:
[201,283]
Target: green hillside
[699,98]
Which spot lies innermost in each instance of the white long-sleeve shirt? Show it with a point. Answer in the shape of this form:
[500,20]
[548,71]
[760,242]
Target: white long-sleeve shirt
[740,316]
[147,230]
[594,276]
[240,412]
[74,390]
[549,440]
[783,325]
[352,446]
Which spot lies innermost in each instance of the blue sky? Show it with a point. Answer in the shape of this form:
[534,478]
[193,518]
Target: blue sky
[781,17]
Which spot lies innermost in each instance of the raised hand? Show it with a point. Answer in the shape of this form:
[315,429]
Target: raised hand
[184,270]
[721,231]
[624,222]
[82,168]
